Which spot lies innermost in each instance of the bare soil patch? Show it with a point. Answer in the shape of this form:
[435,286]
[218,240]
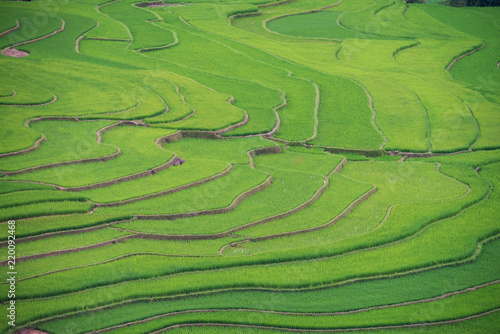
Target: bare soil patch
[30,331]
[159,4]
[14,53]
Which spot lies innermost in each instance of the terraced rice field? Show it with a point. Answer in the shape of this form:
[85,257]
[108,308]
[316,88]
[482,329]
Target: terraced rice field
[250,166]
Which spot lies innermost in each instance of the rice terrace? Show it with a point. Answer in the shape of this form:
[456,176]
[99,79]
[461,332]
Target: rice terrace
[249,166]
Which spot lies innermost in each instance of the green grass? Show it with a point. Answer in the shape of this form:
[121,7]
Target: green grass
[349,297]
[66,141]
[357,77]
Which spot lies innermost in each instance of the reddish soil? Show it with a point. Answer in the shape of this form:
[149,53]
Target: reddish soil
[160,4]
[178,161]
[30,331]
[14,53]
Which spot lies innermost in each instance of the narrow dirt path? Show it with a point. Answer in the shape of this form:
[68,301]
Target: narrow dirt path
[427,122]
[8,31]
[374,116]
[454,61]
[477,124]
[54,99]
[404,48]
[78,40]
[27,150]
[317,101]
[14,93]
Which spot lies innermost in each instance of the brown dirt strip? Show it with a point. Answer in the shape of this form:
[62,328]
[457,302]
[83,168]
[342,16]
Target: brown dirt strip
[265,22]
[420,325]
[477,123]
[54,99]
[158,4]
[276,3]
[338,51]
[163,47]
[193,111]
[239,16]
[197,311]
[395,54]
[8,31]
[169,191]
[448,68]
[137,105]
[12,47]
[167,109]
[240,198]
[382,8]
[431,154]
[28,150]
[293,14]
[232,127]
[269,134]
[208,134]
[30,331]
[107,39]
[374,115]
[278,120]
[427,123]
[406,10]
[179,135]
[77,41]
[262,151]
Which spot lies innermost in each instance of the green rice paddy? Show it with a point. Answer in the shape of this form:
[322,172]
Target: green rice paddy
[252,166]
